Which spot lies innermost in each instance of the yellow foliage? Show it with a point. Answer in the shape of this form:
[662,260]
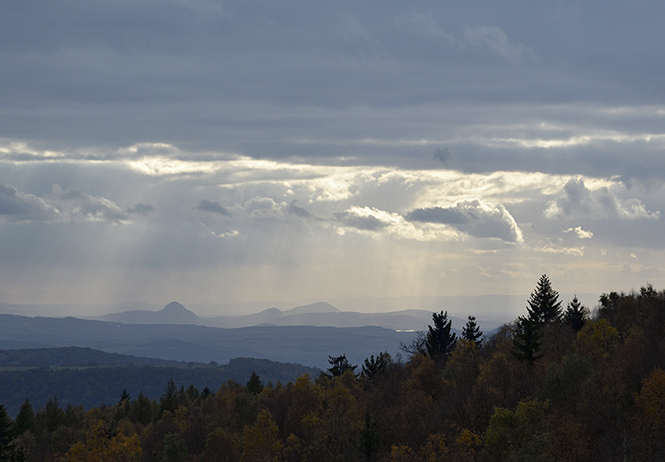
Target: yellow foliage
[597,338]
[469,439]
[402,453]
[101,446]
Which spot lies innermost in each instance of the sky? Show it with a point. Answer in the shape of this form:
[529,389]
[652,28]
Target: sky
[227,151]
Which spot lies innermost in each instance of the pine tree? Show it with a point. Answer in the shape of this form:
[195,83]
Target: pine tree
[544,304]
[440,341]
[576,314]
[472,332]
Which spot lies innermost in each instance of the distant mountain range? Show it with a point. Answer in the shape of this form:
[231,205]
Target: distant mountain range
[307,345]
[305,334]
[173,313]
[320,314]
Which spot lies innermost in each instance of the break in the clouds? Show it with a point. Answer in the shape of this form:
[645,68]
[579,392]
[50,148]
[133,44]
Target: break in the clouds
[208,151]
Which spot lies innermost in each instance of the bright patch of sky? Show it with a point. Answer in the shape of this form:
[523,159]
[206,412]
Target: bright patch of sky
[212,152]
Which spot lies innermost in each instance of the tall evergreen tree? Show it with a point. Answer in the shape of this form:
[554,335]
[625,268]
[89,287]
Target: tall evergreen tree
[471,331]
[544,304]
[576,314]
[254,385]
[440,340]
[527,340]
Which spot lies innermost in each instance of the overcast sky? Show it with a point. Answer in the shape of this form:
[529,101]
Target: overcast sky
[227,151]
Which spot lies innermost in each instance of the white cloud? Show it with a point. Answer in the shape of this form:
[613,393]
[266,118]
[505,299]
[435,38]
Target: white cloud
[574,251]
[372,220]
[582,234]
[576,200]
[477,218]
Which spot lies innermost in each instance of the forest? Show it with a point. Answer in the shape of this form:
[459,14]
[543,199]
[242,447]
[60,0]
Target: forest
[560,383]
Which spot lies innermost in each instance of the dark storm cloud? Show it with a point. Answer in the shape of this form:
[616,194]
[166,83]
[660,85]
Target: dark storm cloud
[212,207]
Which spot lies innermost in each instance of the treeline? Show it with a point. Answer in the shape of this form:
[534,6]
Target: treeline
[93,386]
[558,384]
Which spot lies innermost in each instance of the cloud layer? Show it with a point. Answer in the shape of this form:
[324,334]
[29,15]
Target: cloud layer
[207,151]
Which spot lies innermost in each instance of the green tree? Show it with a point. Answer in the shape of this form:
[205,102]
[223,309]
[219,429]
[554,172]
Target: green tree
[576,314]
[527,340]
[254,385]
[440,340]
[25,419]
[369,438]
[339,365]
[544,304]
[471,331]
[168,400]
[6,435]
[373,366]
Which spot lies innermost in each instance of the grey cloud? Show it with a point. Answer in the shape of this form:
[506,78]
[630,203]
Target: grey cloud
[576,200]
[298,211]
[77,206]
[60,205]
[494,39]
[443,155]
[363,223]
[476,218]
[212,207]
[21,206]
[141,209]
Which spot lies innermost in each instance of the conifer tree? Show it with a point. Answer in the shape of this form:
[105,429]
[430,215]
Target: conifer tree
[440,341]
[576,314]
[6,435]
[472,332]
[527,340]
[339,365]
[254,385]
[544,304]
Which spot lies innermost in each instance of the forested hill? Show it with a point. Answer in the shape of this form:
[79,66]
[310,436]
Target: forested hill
[86,377]
[75,356]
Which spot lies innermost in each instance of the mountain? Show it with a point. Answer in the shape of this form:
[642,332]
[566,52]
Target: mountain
[324,314]
[307,345]
[173,313]
[318,307]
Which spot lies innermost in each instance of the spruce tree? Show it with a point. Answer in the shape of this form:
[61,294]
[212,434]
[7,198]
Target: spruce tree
[471,331]
[254,385]
[527,340]
[544,304]
[576,314]
[440,341]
